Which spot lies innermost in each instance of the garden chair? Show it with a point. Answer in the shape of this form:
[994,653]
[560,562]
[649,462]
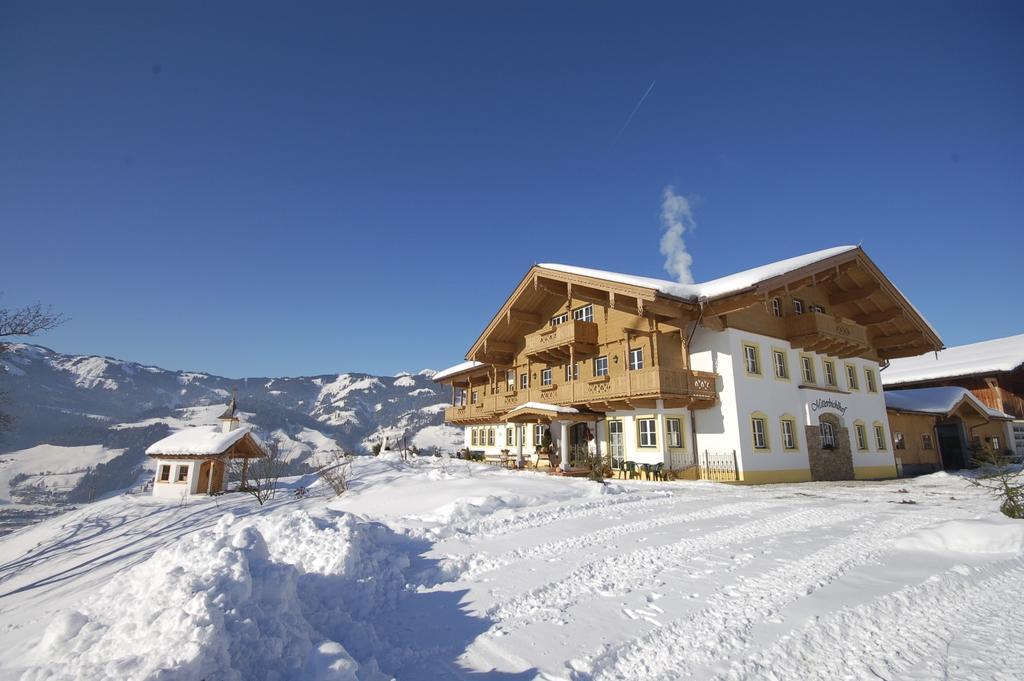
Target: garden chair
[631,472]
[658,472]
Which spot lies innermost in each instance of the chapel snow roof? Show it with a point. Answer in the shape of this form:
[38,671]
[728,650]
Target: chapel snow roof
[986,357]
[939,400]
[457,369]
[201,441]
[714,288]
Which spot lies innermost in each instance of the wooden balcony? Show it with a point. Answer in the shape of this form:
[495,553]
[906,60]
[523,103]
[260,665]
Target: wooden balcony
[552,345]
[624,391]
[828,335]
[486,410]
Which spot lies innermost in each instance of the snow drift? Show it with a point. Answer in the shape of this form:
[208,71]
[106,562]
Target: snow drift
[286,597]
[988,535]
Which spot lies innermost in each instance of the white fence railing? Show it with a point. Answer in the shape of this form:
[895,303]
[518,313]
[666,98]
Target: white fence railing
[718,466]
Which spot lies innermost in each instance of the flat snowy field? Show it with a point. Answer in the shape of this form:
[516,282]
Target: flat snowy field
[435,569]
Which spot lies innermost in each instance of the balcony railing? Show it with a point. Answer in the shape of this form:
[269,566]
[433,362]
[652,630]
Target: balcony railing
[554,342]
[826,334]
[649,383]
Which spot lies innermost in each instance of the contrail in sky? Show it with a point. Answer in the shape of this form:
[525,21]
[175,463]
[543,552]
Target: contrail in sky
[635,109]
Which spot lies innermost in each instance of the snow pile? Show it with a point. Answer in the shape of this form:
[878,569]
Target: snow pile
[990,535]
[270,600]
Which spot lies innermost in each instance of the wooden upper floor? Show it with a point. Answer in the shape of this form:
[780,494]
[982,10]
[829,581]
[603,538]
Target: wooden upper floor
[602,341]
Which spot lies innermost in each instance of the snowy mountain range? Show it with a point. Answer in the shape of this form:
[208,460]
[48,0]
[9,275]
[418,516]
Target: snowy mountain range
[82,423]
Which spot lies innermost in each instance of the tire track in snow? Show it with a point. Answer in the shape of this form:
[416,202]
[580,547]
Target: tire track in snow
[641,568]
[908,630]
[724,625]
[480,564]
[490,527]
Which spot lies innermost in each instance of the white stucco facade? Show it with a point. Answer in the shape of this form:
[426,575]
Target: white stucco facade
[173,487]
[745,395]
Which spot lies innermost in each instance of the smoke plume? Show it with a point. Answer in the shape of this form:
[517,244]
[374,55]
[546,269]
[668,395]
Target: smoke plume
[676,220]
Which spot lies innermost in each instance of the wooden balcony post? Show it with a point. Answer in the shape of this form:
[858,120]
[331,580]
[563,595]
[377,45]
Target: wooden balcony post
[629,377]
[572,374]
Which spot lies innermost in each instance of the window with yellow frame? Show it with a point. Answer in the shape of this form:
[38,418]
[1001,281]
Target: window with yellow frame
[674,433]
[880,436]
[752,359]
[830,372]
[759,432]
[780,364]
[787,428]
[851,377]
[807,369]
[869,380]
[861,432]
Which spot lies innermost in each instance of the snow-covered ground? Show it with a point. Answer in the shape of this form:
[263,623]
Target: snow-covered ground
[439,569]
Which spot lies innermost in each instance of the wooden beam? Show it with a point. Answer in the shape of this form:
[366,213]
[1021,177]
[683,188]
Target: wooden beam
[841,297]
[879,317]
[911,351]
[553,286]
[734,304]
[523,316]
[499,347]
[896,340]
[665,308]
[591,296]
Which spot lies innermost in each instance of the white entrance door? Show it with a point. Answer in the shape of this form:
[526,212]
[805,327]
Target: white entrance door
[615,449]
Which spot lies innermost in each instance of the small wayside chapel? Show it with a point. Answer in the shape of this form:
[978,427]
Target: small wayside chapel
[762,376]
[195,461]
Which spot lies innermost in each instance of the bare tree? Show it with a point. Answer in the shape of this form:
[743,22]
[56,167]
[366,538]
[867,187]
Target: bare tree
[1002,476]
[334,470]
[263,473]
[29,320]
[24,322]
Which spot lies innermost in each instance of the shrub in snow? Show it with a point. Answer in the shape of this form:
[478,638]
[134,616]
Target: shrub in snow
[1002,477]
[287,598]
[334,471]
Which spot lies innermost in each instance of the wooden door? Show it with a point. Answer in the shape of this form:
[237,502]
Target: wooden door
[204,478]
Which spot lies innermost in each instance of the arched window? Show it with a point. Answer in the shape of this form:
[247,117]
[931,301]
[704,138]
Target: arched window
[828,435]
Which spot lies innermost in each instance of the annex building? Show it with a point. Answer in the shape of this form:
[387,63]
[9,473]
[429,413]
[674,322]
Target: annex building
[992,371]
[767,375]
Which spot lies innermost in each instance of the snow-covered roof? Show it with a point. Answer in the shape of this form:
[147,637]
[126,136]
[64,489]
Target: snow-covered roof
[715,288]
[939,400]
[200,440]
[986,357]
[546,407]
[457,369]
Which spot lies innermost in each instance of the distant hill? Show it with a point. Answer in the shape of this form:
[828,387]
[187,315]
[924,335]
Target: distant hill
[87,420]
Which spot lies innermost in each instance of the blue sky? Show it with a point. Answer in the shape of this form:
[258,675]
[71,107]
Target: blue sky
[265,189]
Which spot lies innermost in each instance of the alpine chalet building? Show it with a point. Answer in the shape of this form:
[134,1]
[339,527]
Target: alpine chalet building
[767,375]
